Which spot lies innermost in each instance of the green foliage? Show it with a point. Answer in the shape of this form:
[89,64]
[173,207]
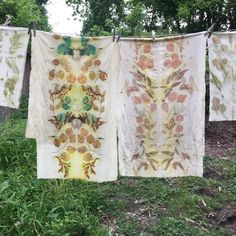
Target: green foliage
[23,12]
[135,17]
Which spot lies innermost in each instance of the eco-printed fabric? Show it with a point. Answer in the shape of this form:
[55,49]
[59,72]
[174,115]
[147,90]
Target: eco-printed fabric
[161,117]
[72,106]
[222,62]
[13,49]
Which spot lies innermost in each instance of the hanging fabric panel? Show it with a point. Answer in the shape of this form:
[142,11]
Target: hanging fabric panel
[222,61]
[13,50]
[72,107]
[161,106]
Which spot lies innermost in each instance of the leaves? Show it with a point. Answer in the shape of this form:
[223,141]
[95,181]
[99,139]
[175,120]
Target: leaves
[185,156]
[12,65]
[15,42]
[167,161]
[216,81]
[177,164]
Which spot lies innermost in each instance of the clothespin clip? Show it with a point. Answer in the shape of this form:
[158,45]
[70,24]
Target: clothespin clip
[210,30]
[114,34]
[33,27]
[118,38]
[8,20]
[153,35]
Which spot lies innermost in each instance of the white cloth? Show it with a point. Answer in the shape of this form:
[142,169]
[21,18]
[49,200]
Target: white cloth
[72,106]
[222,61]
[13,49]
[161,106]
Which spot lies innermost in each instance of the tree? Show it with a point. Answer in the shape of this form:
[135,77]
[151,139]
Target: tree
[164,16]
[22,12]
[104,14]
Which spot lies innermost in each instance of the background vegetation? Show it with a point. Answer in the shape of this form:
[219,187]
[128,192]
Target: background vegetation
[22,12]
[137,17]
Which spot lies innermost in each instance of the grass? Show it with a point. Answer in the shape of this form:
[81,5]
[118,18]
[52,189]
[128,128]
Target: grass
[129,206]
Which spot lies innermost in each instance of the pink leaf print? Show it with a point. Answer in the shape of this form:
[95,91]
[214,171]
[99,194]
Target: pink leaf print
[150,63]
[167,63]
[145,97]
[175,63]
[172,96]
[147,48]
[179,118]
[170,47]
[165,107]
[137,100]
[140,130]
[179,128]
[139,119]
[181,98]
[153,107]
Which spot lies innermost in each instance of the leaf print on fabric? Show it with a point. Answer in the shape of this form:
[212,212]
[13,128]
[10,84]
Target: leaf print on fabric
[222,76]
[75,47]
[217,106]
[158,85]
[14,42]
[77,105]
[12,65]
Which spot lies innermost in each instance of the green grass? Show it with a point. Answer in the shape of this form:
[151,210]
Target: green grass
[129,206]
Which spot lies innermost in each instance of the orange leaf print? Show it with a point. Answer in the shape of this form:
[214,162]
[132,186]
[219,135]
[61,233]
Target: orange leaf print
[82,149]
[72,138]
[82,79]
[88,157]
[71,149]
[69,131]
[84,132]
[181,98]
[71,78]
[63,138]
[147,48]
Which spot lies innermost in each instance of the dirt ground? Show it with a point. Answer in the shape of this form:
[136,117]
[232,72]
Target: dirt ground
[220,139]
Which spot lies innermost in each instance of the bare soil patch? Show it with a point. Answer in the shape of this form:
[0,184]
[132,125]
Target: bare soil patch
[221,139]
[225,216]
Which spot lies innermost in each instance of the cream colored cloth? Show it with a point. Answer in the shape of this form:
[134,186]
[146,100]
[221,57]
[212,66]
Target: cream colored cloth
[72,106]
[222,63]
[13,49]
[161,117]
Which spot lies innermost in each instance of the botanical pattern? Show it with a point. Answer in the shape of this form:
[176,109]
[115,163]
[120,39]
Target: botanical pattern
[158,89]
[76,95]
[77,117]
[13,46]
[222,49]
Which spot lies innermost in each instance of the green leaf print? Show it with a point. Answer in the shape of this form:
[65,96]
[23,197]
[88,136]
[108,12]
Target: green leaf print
[216,81]
[12,65]
[15,42]
[88,50]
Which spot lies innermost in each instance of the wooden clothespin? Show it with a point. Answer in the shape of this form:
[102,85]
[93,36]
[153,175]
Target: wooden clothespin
[153,35]
[114,34]
[210,30]
[33,27]
[8,20]
[118,38]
